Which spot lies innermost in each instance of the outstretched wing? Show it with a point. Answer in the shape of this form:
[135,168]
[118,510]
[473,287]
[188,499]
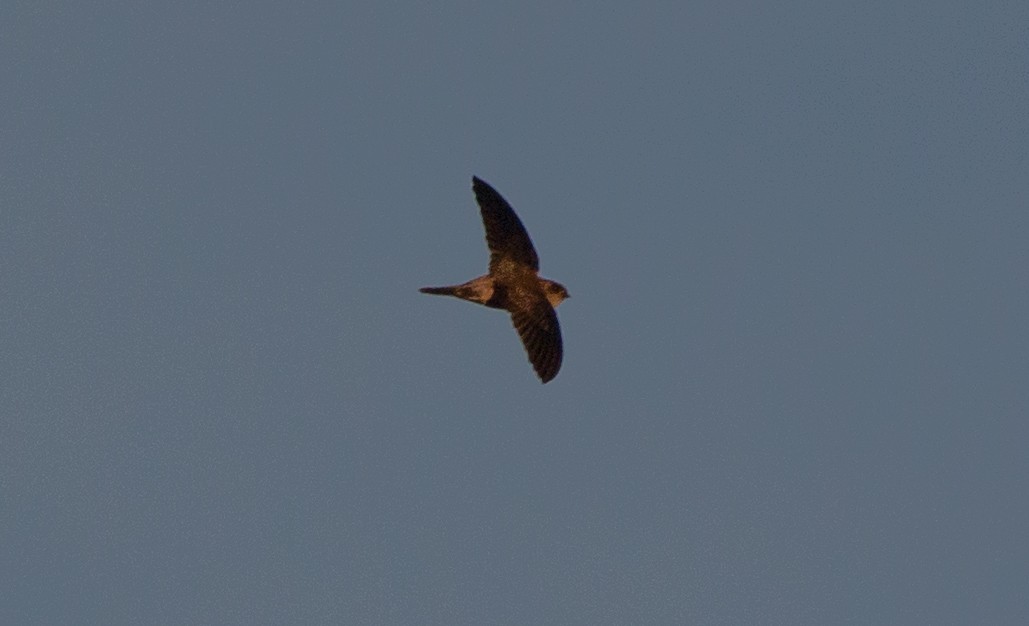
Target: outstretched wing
[505,235]
[537,326]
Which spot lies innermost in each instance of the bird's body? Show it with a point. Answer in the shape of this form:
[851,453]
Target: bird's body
[513,283]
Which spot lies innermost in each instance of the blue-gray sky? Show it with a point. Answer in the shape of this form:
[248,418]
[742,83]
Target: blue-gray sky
[795,379]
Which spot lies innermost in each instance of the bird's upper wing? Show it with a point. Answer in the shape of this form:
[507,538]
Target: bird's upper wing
[537,326]
[505,234]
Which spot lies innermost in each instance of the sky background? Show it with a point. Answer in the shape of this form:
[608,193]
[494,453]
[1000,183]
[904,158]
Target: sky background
[796,354]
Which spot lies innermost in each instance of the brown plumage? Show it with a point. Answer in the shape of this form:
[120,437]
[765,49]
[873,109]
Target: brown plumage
[513,283]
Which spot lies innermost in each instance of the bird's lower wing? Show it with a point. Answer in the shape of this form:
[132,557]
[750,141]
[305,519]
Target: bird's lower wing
[541,335]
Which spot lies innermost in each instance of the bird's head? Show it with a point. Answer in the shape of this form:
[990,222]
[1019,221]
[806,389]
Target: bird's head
[556,292]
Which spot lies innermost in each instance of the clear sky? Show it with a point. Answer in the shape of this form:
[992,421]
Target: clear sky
[796,354]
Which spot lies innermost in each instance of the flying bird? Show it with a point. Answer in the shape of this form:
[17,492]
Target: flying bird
[513,283]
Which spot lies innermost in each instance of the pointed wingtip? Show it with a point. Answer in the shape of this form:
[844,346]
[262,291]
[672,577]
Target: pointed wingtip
[549,374]
[479,185]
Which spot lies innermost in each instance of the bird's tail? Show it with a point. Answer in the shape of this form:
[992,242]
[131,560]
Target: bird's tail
[440,291]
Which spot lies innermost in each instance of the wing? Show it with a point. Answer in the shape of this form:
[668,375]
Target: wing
[537,326]
[505,235]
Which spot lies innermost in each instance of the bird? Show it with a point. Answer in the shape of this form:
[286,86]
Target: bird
[514,284]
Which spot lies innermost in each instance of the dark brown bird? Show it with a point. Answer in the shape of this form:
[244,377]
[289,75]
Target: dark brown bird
[513,283]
